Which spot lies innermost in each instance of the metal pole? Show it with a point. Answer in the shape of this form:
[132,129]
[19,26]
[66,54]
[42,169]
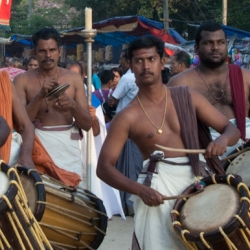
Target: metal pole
[166,16]
[224,12]
[89,35]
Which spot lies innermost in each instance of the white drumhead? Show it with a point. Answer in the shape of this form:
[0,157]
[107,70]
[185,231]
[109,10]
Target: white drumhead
[241,166]
[210,209]
[4,180]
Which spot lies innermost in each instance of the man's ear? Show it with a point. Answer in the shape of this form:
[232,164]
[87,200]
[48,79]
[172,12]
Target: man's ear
[130,66]
[162,63]
[60,51]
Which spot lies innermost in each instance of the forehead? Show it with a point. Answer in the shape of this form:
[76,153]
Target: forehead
[33,61]
[212,35]
[74,68]
[145,52]
[50,43]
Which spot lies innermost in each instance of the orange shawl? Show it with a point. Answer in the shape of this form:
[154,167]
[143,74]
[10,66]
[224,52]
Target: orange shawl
[6,111]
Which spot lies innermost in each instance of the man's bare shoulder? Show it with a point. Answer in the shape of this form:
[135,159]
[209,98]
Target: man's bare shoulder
[23,78]
[182,78]
[72,77]
[246,76]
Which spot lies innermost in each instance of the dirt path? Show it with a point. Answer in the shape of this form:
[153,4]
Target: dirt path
[119,234]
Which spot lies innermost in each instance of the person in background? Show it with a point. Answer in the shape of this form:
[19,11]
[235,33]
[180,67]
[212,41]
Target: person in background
[4,131]
[118,74]
[32,63]
[180,62]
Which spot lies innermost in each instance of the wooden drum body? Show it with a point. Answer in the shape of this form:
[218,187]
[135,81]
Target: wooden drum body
[19,229]
[70,218]
[217,218]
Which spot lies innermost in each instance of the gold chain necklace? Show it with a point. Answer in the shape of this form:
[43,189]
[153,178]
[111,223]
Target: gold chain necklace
[223,91]
[159,130]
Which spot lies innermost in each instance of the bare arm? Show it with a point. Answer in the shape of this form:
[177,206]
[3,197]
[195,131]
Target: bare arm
[116,138]
[95,122]
[4,131]
[210,116]
[24,127]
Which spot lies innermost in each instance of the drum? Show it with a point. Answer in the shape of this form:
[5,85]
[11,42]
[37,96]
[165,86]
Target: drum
[216,218]
[237,162]
[19,229]
[70,218]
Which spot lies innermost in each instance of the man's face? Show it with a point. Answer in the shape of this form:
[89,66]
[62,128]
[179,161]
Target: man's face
[124,63]
[212,48]
[175,67]
[147,66]
[33,64]
[47,53]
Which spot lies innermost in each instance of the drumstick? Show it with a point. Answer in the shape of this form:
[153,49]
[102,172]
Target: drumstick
[189,151]
[181,196]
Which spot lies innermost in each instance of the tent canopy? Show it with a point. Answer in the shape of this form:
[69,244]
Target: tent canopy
[114,31]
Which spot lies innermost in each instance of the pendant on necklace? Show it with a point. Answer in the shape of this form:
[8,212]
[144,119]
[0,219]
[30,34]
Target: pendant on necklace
[159,131]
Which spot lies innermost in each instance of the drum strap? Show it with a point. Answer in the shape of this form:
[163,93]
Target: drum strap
[194,134]
[238,97]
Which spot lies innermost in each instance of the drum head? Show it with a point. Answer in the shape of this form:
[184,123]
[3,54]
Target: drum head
[211,209]
[240,166]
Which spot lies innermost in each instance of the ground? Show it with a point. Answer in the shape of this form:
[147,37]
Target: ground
[119,234]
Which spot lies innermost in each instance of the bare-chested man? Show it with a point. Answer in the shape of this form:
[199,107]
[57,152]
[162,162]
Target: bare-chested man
[151,118]
[211,77]
[57,121]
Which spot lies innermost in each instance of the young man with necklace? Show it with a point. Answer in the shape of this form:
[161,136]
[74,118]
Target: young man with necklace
[58,121]
[155,116]
[225,86]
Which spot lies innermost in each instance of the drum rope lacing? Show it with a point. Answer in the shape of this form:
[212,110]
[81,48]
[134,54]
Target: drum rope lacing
[244,230]
[22,203]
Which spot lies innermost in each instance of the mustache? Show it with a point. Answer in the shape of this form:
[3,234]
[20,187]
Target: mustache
[48,60]
[147,73]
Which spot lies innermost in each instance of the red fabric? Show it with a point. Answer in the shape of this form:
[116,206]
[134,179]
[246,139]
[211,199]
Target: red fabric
[5,10]
[238,97]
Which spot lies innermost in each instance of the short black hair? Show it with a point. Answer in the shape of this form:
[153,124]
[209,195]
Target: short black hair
[106,75]
[210,26]
[71,63]
[31,58]
[182,57]
[125,53]
[46,34]
[118,70]
[147,41]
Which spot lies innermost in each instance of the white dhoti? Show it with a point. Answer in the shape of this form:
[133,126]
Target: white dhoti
[215,134]
[153,225]
[64,151]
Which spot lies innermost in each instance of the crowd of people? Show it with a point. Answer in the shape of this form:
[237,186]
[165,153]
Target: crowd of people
[134,107]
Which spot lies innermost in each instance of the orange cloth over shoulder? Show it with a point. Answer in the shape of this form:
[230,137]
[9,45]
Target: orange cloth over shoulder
[6,111]
[45,165]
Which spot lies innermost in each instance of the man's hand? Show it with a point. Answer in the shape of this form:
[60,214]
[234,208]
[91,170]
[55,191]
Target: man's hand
[25,162]
[216,148]
[65,102]
[48,84]
[92,111]
[150,196]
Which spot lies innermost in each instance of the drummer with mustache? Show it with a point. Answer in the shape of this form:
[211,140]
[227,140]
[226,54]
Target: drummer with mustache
[58,119]
[159,115]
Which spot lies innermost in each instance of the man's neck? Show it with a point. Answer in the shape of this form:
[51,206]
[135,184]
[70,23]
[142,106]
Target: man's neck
[206,70]
[49,73]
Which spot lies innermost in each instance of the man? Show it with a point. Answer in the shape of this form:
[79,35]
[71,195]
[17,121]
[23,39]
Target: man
[151,119]
[15,115]
[179,62]
[217,81]
[58,120]
[126,88]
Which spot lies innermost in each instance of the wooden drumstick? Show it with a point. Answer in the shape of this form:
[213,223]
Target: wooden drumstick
[188,151]
[181,196]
